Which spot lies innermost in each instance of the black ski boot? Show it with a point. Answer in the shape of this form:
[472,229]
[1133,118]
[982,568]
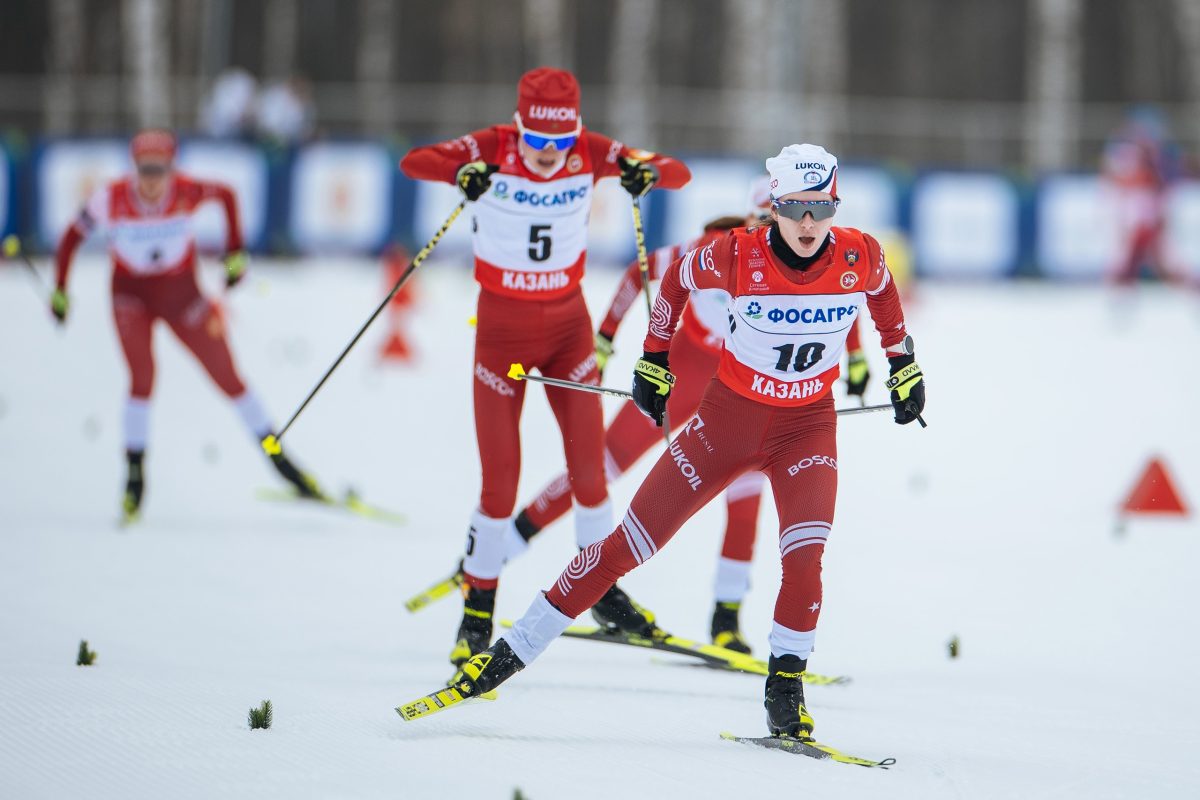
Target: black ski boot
[475,632]
[786,714]
[725,632]
[135,485]
[617,611]
[487,670]
[305,485]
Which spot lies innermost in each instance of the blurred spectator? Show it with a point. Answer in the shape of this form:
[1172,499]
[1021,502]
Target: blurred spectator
[228,110]
[285,111]
[1139,166]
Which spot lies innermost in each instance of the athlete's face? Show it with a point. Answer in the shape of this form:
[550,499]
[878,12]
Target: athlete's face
[544,162]
[153,175]
[803,235]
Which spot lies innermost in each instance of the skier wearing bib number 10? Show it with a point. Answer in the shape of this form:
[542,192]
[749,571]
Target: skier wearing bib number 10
[796,288]
[531,186]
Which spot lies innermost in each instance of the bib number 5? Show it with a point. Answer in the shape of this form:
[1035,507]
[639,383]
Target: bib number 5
[539,242]
[806,355]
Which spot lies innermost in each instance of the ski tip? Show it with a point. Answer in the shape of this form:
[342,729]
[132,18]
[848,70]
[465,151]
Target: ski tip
[516,372]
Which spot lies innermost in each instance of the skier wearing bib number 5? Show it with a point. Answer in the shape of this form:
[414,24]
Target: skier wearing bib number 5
[796,288]
[531,184]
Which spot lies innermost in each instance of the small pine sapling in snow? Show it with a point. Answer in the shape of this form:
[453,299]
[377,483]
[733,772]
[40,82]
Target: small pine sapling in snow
[261,717]
[86,657]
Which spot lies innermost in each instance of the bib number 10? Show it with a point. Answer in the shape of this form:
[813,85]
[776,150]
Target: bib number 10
[806,355]
[539,242]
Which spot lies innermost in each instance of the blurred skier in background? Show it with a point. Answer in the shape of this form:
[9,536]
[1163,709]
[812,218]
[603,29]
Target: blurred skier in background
[146,219]
[531,186]
[1139,165]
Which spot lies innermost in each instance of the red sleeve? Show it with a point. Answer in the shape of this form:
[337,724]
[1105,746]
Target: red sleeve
[631,286]
[853,338]
[605,153]
[67,246]
[882,298]
[222,193]
[710,266]
[441,161]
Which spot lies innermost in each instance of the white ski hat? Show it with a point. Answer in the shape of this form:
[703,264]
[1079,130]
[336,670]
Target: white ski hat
[803,168]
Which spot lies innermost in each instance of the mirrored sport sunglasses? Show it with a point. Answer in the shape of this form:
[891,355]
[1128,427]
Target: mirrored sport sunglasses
[796,209]
[540,142]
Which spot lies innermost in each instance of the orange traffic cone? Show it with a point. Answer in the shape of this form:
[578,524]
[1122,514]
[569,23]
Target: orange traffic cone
[1154,493]
[396,347]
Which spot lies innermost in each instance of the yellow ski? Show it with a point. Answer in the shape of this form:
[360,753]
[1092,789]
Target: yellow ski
[807,747]
[710,655]
[435,592]
[438,701]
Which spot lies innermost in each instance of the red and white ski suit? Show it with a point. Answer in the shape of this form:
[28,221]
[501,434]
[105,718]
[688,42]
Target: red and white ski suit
[154,273]
[769,408]
[530,242]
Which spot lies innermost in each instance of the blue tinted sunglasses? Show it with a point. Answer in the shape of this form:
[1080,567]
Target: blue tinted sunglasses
[796,209]
[539,142]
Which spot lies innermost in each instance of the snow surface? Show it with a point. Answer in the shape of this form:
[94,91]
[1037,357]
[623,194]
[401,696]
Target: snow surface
[996,524]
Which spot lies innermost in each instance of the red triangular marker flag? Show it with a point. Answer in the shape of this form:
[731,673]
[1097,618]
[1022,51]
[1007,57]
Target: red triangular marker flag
[1154,493]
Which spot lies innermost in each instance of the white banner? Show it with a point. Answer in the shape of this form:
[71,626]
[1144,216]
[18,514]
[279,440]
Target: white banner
[244,169]
[68,172]
[965,225]
[342,197]
[870,201]
[1183,227]
[1077,227]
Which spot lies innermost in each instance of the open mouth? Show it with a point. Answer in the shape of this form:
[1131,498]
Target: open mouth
[808,241]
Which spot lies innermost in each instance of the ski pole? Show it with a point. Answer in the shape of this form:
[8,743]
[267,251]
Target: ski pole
[639,236]
[270,443]
[518,373]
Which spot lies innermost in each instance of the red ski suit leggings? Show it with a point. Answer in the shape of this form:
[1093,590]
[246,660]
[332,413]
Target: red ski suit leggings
[174,298]
[632,434]
[554,337]
[730,434]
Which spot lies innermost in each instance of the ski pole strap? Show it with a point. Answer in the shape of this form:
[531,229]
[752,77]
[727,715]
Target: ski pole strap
[662,379]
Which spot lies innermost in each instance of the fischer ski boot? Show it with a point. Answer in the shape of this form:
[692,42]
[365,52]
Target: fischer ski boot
[305,485]
[135,485]
[784,698]
[487,670]
[725,631]
[617,611]
[475,632]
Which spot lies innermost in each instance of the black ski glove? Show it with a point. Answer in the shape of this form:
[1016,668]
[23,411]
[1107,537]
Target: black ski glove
[907,387]
[637,177]
[652,383]
[474,178]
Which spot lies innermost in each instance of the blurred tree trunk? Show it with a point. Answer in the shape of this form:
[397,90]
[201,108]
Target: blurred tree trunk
[283,31]
[1055,83]
[548,34]
[823,47]
[376,65]
[631,71]
[1187,22]
[147,62]
[66,52]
